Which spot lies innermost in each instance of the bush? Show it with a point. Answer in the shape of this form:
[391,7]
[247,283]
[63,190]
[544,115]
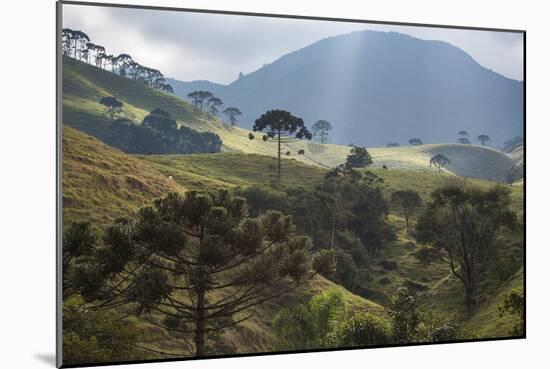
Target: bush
[310,326]
[436,327]
[94,336]
[364,329]
[513,305]
[404,315]
[261,199]
[346,270]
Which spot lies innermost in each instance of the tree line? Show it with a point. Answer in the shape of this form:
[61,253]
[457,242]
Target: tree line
[76,44]
[206,101]
[463,138]
[158,133]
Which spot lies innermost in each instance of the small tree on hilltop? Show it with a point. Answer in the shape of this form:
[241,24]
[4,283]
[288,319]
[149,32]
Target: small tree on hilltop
[358,157]
[320,129]
[198,262]
[464,223]
[483,139]
[440,161]
[232,114]
[408,201]
[392,144]
[463,137]
[283,127]
[415,142]
[113,106]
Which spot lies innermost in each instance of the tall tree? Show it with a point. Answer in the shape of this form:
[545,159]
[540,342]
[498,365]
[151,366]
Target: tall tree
[282,126]
[232,114]
[195,98]
[440,161]
[408,201]
[123,63]
[100,56]
[358,157]
[321,130]
[197,261]
[213,105]
[66,40]
[483,139]
[464,224]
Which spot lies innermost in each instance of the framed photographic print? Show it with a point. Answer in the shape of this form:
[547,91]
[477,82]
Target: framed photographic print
[238,184]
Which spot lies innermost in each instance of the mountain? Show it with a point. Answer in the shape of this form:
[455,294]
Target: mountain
[379,87]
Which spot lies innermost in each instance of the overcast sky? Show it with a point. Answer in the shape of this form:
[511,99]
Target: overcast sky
[216,47]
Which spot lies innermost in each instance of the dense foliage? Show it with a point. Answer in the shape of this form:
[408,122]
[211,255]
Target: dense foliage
[159,134]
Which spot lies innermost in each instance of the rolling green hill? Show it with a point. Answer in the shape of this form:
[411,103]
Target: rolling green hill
[101,183]
[84,85]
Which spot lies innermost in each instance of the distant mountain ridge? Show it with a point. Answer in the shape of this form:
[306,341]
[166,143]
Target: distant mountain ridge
[379,87]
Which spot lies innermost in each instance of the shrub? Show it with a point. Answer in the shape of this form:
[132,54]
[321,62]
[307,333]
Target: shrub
[364,329]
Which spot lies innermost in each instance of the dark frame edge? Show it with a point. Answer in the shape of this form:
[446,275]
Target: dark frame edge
[287,16]
[58,179]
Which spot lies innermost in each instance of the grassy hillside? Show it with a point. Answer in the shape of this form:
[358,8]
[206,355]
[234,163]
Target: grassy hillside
[84,85]
[101,183]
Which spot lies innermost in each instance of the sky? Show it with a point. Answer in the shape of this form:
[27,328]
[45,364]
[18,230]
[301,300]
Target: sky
[217,47]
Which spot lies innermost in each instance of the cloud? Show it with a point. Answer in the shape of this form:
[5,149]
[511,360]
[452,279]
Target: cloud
[216,47]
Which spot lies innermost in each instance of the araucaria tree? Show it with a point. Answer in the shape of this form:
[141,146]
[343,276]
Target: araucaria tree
[320,130]
[195,264]
[358,157]
[440,161]
[113,106]
[232,114]
[408,201]
[483,139]
[464,224]
[283,127]
[463,137]
[214,104]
